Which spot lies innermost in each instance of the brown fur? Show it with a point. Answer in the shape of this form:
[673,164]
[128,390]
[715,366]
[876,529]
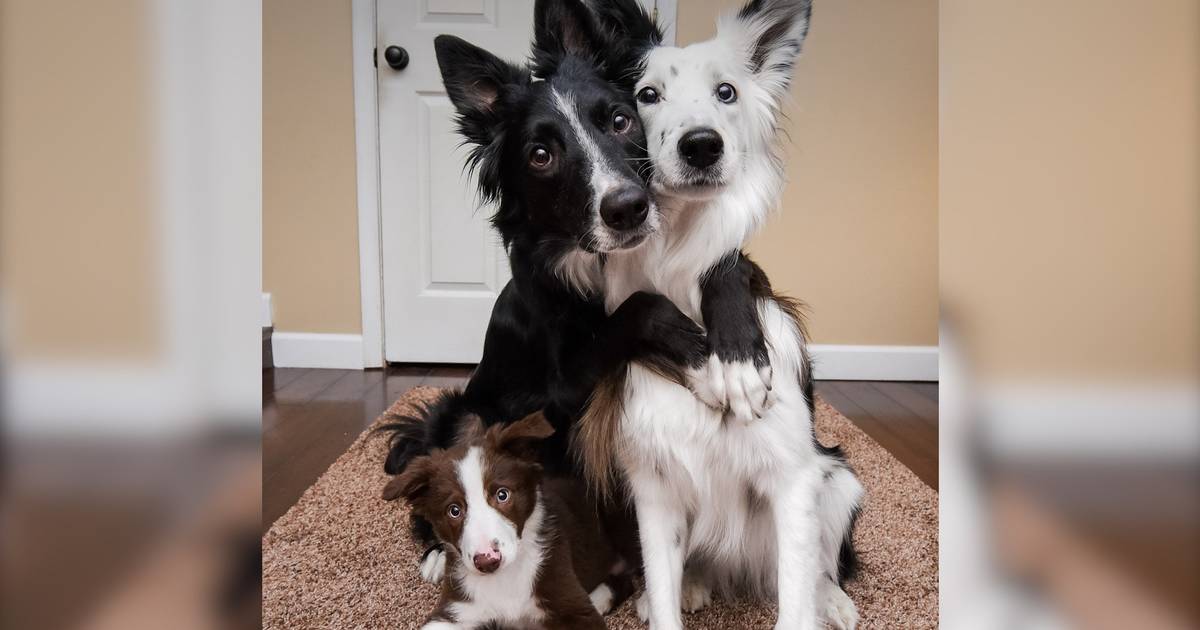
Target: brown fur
[595,438]
[578,556]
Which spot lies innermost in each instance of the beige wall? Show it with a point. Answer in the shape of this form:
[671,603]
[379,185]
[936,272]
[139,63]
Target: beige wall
[1069,186]
[310,211]
[77,246]
[856,236]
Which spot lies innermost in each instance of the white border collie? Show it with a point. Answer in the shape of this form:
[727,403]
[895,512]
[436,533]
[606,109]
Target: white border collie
[743,502]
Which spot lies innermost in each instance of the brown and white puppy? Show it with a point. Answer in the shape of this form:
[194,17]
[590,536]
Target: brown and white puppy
[522,551]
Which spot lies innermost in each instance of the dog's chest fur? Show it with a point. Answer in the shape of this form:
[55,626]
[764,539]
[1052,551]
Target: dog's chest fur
[695,235]
[724,472]
[508,595]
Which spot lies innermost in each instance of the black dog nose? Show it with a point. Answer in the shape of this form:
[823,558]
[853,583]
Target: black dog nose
[625,208]
[701,148]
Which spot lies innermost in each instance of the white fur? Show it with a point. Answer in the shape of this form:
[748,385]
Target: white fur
[838,609]
[602,599]
[738,386]
[485,529]
[750,179]
[433,567]
[507,594]
[602,180]
[580,270]
[696,595]
[754,499]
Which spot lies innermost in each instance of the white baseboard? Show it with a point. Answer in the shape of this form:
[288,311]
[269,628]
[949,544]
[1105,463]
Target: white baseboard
[114,400]
[874,363]
[830,362]
[317,350]
[266,310]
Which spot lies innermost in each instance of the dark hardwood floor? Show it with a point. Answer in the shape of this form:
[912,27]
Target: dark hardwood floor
[310,417]
[901,417]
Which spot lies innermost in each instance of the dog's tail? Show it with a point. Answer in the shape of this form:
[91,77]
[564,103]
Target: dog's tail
[839,503]
[433,425]
[594,437]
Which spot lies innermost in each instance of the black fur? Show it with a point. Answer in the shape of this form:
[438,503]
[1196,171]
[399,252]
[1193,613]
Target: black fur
[847,554]
[731,313]
[547,344]
[783,15]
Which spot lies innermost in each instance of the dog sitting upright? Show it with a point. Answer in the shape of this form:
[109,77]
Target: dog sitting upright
[523,551]
[756,504]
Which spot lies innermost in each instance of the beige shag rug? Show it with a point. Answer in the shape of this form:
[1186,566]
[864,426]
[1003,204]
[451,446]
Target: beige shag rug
[342,557]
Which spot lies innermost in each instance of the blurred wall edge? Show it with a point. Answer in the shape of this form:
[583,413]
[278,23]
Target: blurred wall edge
[130,203]
[1069,196]
[131,196]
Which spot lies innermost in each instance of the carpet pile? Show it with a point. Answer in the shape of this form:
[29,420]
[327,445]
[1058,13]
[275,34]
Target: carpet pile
[342,557]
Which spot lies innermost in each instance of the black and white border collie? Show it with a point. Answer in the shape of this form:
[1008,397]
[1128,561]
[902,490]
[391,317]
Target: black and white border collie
[563,160]
[752,502]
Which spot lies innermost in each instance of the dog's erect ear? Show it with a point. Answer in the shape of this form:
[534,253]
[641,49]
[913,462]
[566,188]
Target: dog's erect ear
[562,27]
[521,438]
[412,483]
[628,20]
[633,33]
[476,82]
[776,30]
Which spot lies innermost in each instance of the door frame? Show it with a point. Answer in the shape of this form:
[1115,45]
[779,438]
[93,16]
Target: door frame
[370,209]
[366,148]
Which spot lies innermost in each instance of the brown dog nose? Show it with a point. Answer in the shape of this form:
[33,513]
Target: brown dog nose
[487,562]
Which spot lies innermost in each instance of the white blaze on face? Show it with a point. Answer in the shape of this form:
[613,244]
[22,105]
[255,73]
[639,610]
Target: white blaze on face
[485,529]
[602,177]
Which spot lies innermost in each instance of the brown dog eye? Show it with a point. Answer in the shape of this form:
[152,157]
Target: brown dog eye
[620,123]
[502,495]
[540,157]
[647,96]
[726,93]
[454,511]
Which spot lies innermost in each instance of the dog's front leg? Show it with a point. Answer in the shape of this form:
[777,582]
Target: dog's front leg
[662,525]
[737,376]
[798,538]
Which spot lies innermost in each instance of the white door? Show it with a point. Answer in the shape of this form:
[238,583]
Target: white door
[443,266]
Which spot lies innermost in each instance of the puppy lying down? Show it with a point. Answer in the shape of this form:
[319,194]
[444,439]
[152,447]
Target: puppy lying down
[522,551]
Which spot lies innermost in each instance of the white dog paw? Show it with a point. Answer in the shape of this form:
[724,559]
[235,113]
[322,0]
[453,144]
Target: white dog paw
[642,605]
[838,610]
[739,387]
[602,599]
[433,567]
[708,383]
[696,595]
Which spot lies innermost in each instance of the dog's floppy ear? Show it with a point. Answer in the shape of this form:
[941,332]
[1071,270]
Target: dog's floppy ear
[521,438]
[775,30]
[476,82]
[412,483]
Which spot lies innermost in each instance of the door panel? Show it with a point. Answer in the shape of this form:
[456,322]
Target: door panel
[442,263]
